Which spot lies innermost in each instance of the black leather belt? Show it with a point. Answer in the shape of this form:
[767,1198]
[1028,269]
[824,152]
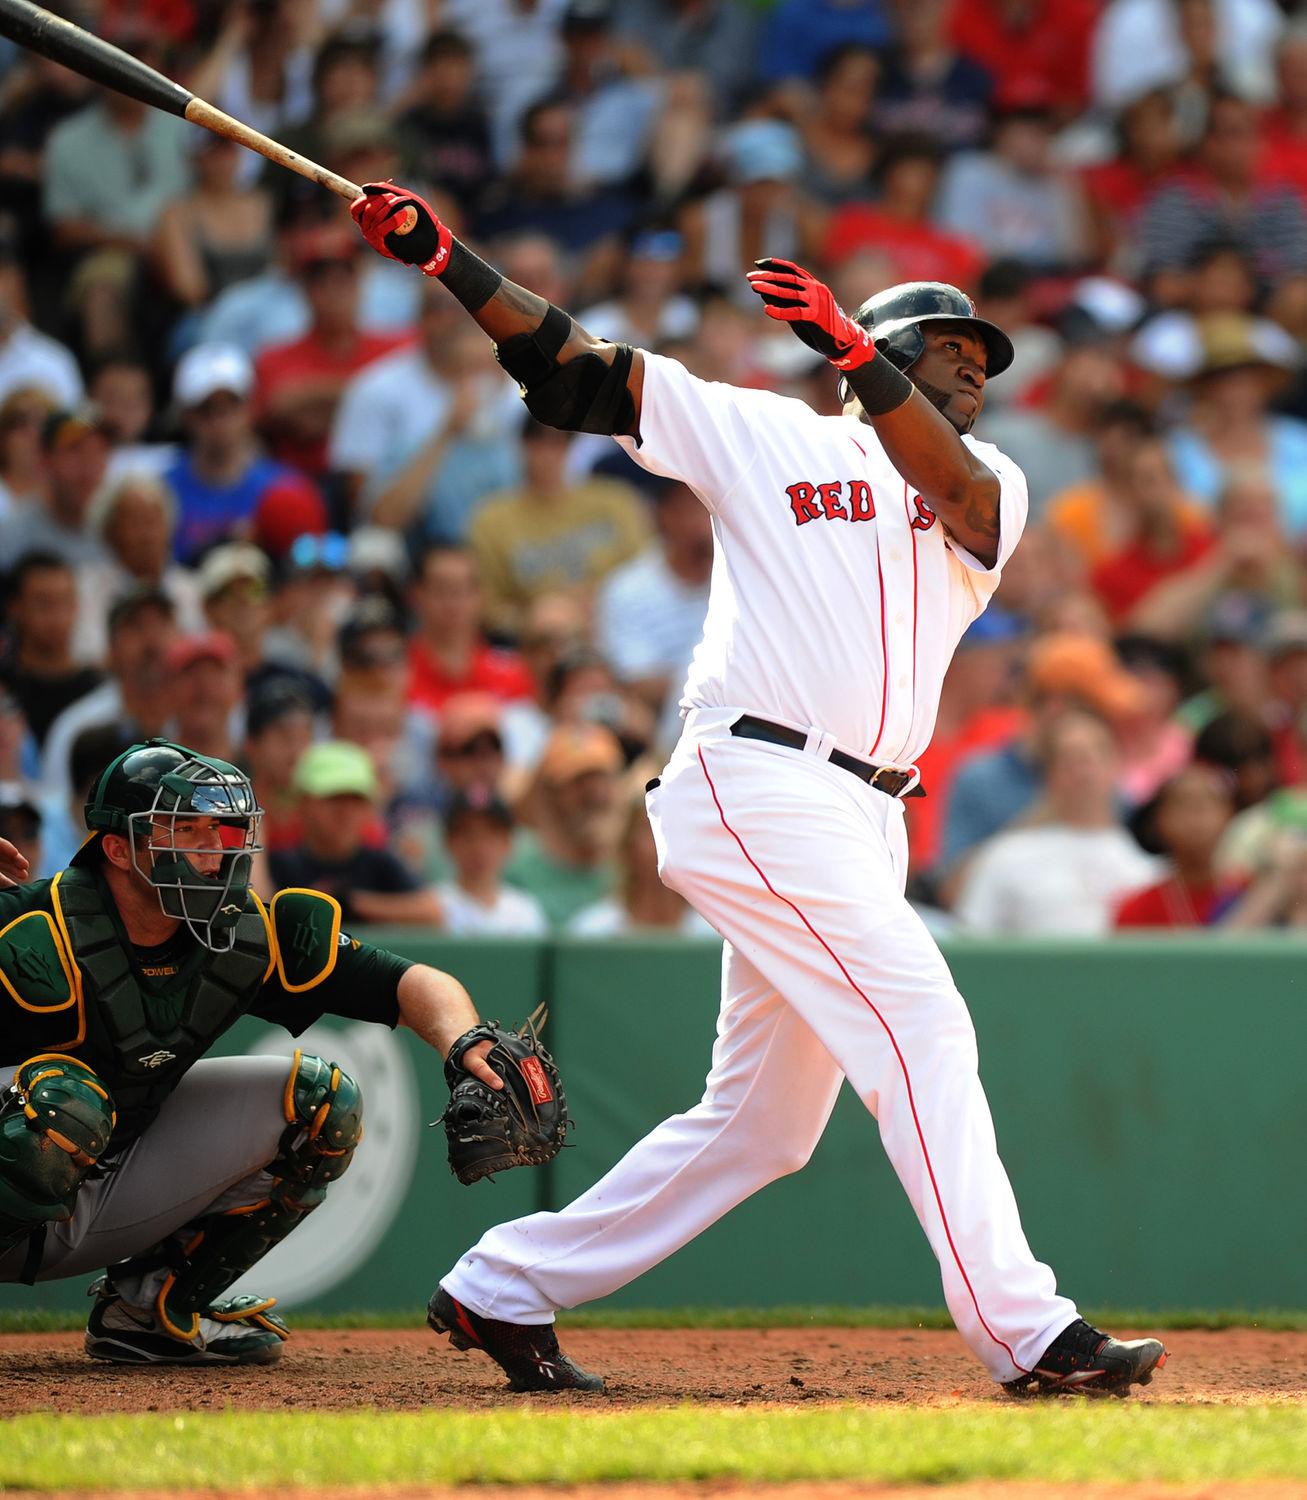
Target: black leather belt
[883,778]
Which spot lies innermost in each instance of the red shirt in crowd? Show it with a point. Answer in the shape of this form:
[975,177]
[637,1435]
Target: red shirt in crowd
[1126,577]
[938,763]
[1172,903]
[307,364]
[920,252]
[1048,54]
[502,674]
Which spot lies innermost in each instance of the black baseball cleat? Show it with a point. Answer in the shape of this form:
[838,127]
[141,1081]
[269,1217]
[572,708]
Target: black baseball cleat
[528,1353]
[1081,1358]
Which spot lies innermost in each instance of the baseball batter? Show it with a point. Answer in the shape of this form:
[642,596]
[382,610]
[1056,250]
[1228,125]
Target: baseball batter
[851,553]
[119,1147]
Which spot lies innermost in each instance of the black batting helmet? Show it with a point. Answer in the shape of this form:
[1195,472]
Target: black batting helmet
[897,315]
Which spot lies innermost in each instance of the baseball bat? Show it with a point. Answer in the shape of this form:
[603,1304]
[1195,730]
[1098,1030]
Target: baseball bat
[35,28]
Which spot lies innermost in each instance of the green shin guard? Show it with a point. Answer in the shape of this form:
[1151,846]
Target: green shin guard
[55,1123]
[324,1113]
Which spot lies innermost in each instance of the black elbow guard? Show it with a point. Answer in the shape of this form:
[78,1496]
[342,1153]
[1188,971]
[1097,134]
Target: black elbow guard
[587,394]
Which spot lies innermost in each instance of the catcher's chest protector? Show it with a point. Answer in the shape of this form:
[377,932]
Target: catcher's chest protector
[69,987]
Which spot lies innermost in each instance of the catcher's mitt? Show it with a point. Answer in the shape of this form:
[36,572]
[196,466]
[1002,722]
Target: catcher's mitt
[520,1125]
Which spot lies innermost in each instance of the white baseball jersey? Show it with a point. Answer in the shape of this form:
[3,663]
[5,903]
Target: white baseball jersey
[837,599]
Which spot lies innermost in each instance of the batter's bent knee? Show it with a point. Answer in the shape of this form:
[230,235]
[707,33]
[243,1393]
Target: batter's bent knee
[55,1123]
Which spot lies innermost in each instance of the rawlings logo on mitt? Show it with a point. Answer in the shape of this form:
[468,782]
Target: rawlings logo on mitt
[520,1125]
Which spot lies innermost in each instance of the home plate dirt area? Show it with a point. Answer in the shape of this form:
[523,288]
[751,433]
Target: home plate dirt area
[414,1369]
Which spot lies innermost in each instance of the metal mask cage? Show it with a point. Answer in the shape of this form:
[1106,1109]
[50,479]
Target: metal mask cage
[209,905]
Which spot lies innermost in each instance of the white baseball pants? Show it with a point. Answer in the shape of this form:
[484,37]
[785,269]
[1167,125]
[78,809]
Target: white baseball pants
[827,973]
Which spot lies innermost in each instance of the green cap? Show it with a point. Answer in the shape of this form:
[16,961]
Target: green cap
[336,768]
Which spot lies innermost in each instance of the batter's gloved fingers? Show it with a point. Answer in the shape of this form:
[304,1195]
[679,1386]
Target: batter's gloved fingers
[794,296]
[402,226]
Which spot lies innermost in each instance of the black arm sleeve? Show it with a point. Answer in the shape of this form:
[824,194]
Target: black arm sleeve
[362,986]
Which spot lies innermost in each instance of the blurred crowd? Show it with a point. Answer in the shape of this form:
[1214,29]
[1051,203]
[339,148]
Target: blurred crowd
[269,494]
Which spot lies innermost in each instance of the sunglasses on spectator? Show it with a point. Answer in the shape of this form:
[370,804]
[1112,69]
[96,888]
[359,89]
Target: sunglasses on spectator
[485,743]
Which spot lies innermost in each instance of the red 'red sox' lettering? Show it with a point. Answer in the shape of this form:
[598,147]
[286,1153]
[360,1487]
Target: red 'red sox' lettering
[838,500]
[925,517]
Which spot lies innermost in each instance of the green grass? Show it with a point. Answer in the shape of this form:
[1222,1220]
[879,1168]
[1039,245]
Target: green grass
[35,1320]
[1056,1443]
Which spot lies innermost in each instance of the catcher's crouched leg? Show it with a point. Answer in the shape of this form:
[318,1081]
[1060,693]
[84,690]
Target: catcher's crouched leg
[178,1284]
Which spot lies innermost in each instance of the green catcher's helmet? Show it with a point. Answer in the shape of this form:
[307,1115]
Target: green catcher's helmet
[151,789]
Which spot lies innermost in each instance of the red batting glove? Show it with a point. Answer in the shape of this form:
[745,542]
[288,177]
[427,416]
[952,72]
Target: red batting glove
[402,226]
[796,297]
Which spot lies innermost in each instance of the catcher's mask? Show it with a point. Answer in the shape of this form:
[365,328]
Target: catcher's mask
[148,793]
[898,315]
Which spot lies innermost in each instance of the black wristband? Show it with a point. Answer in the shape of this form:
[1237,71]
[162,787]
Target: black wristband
[469,278]
[879,386]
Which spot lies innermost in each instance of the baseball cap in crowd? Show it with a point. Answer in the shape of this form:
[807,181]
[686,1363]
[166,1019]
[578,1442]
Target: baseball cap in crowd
[209,368]
[574,750]
[477,802]
[229,563]
[1234,341]
[370,617]
[335,768]
[763,151]
[290,507]
[1083,667]
[206,645]
[1286,633]
[71,424]
[377,549]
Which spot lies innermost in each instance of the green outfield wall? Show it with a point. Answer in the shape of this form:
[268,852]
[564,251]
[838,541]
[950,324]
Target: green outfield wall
[1150,1099]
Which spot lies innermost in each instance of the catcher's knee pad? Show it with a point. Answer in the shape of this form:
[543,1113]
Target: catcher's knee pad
[323,1108]
[55,1123]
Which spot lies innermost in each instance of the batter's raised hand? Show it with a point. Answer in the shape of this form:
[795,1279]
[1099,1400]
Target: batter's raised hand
[402,226]
[796,297]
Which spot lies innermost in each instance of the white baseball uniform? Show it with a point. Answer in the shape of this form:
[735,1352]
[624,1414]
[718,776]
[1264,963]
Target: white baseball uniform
[837,602]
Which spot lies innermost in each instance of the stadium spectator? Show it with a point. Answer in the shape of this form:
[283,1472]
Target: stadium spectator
[136,699]
[839,148]
[1066,871]
[648,308]
[221,473]
[1093,517]
[479,839]
[259,66]
[312,597]
[1285,644]
[1226,195]
[1284,126]
[279,721]
[1184,821]
[566,859]
[449,652]
[1152,743]
[543,195]
[22,475]
[445,133]
[423,434]
[639,901]
[20,822]
[551,535]
[799,36]
[929,88]
[299,384]
[714,38]
[41,669]
[1028,45]
[649,611]
[291,507]
[1013,198]
[1148,156]
[615,110]
[28,357]
[336,784]
[136,516]
[206,692]
[75,458]
[233,582]
[218,233]
[121,388]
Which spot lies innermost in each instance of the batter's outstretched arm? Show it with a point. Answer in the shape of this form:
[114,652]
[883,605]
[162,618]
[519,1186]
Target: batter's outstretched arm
[570,379]
[922,443]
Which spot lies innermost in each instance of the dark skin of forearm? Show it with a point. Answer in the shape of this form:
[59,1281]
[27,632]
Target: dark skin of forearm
[925,446]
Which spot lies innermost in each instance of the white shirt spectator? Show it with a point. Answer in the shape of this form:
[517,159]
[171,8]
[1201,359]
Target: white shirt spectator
[514,914]
[1137,47]
[677,319]
[29,357]
[519,55]
[1054,880]
[1030,218]
[100,584]
[102,705]
[648,621]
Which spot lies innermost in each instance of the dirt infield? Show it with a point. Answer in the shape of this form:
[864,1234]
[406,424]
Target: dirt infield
[413,1369]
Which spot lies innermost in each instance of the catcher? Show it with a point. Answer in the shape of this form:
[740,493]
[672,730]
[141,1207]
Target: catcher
[121,1148]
